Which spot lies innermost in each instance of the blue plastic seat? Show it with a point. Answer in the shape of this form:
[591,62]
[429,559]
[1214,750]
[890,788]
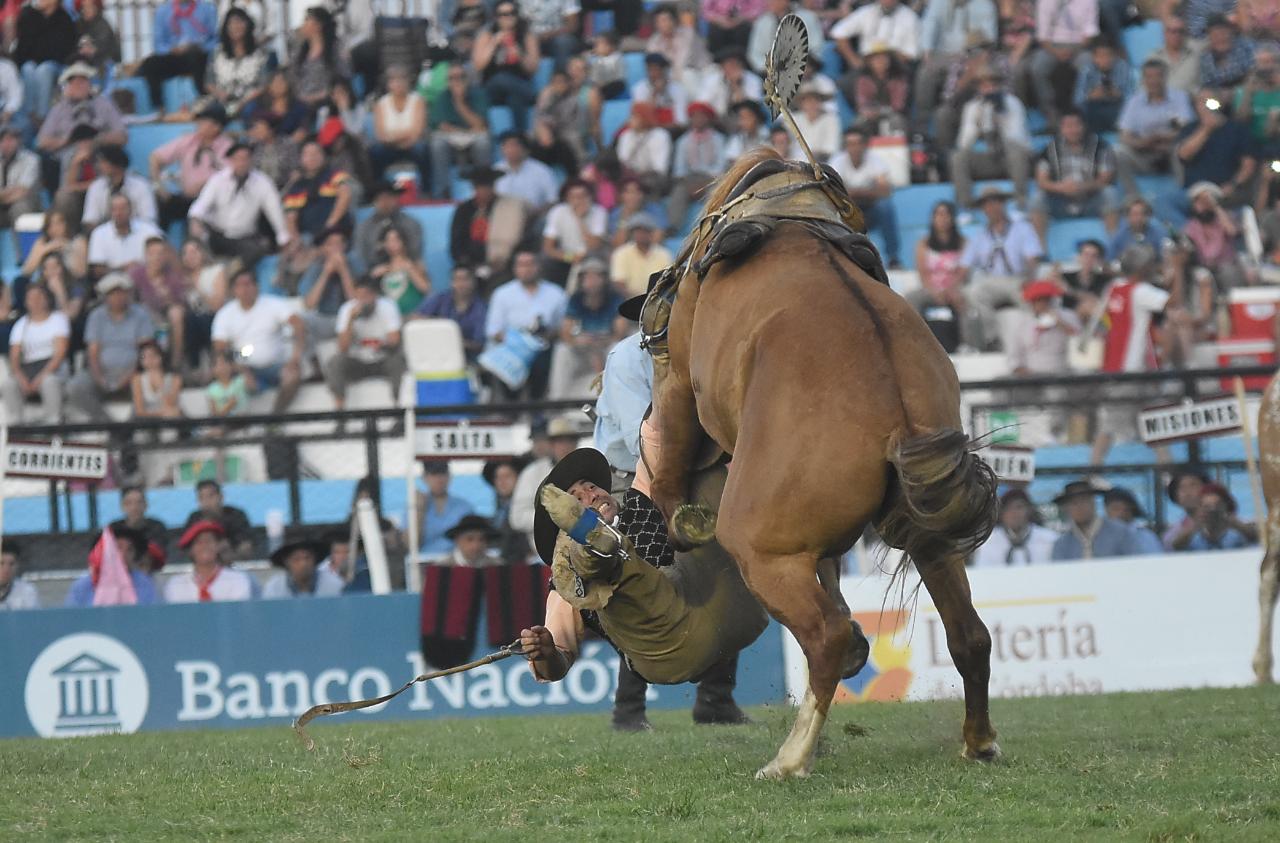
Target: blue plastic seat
[1142,40]
[634,63]
[179,92]
[1065,234]
[435,221]
[601,22]
[141,95]
[146,137]
[543,77]
[915,203]
[500,120]
[613,116]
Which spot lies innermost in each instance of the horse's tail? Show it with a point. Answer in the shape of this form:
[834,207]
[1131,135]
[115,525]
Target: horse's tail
[942,502]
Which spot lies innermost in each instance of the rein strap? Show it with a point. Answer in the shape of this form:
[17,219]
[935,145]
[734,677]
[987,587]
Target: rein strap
[506,652]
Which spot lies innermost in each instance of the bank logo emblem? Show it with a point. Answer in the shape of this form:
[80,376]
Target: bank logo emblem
[86,684]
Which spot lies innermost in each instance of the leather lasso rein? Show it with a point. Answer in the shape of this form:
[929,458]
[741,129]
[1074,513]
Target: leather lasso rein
[504,652]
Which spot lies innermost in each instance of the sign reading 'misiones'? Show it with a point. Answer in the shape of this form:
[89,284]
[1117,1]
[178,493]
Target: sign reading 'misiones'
[1189,420]
[56,460]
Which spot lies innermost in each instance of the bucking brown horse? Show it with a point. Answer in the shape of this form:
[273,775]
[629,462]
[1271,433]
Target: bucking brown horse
[1269,579]
[840,410]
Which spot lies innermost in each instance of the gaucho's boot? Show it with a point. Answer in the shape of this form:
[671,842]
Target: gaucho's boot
[628,702]
[714,703]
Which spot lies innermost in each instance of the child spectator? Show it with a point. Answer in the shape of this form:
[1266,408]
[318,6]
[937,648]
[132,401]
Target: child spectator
[227,393]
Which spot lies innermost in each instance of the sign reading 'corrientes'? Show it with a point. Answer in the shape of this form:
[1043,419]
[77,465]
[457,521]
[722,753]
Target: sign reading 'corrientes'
[56,460]
[1187,421]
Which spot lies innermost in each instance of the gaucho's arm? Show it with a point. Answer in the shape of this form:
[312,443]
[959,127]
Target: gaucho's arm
[675,408]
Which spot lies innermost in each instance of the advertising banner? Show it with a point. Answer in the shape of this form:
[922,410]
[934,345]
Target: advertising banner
[131,668]
[1136,624]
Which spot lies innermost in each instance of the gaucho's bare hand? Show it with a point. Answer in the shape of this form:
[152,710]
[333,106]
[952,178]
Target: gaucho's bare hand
[537,644]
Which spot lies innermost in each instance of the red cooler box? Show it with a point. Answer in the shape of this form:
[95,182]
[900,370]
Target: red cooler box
[1246,352]
[1253,312]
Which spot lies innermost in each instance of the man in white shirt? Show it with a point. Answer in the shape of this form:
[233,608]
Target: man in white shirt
[1016,540]
[14,593]
[866,178]
[229,208]
[114,178]
[209,581]
[251,326]
[528,303]
[888,21]
[121,241]
[733,84]
[994,142]
[302,576]
[19,178]
[368,342]
[524,178]
[999,259]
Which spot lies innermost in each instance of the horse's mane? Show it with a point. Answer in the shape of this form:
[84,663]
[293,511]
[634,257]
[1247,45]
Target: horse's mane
[724,185]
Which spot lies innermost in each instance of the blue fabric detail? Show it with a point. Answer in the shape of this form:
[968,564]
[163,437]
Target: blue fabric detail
[586,523]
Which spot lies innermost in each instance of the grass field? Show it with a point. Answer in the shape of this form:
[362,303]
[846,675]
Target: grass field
[1193,765]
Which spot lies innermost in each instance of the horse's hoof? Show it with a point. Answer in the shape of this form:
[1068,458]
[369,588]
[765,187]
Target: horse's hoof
[1262,671]
[855,658]
[693,525]
[991,753]
[777,772]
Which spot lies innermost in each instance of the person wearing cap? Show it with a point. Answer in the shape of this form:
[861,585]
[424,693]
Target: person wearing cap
[184,33]
[1017,538]
[523,177]
[79,106]
[38,344]
[668,97]
[750,128]
[120,242]
[890,21]
[574,228]
[197,155]
[45,36]
[439,510]
[765,27]
[697,161]
[114,331]
[644,149]
[1216,522]
[1121,505]
[1076,175]
[734,82]
[528,303]
[866,178]
[999,258]
[133,548]
[632,264]
[1089,535]
[387,213]
[561,436]
[319,198]
[591,326]
[234,535]
[1131,304]
[462,304]
[1213,234]
[15,593]
[994,142]
[303,576]
[459,124]
[1038,345]
[210,581]
[227,213]
[116,179]
[19,177]
[368,329]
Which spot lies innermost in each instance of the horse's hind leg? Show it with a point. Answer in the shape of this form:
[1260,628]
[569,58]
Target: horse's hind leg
[855,658]
[1268,591]
[789,588]
[969,643]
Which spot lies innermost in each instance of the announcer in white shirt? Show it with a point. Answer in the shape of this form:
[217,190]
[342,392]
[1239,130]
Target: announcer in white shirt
[228,211]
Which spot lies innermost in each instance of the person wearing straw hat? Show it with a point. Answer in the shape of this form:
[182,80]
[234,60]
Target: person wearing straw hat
[819,127]
[999,258]
[80,106]
[1089,535]
[303,576]
[591,325]
[1018,538]
[634,262]
[697,161]
[113,333]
